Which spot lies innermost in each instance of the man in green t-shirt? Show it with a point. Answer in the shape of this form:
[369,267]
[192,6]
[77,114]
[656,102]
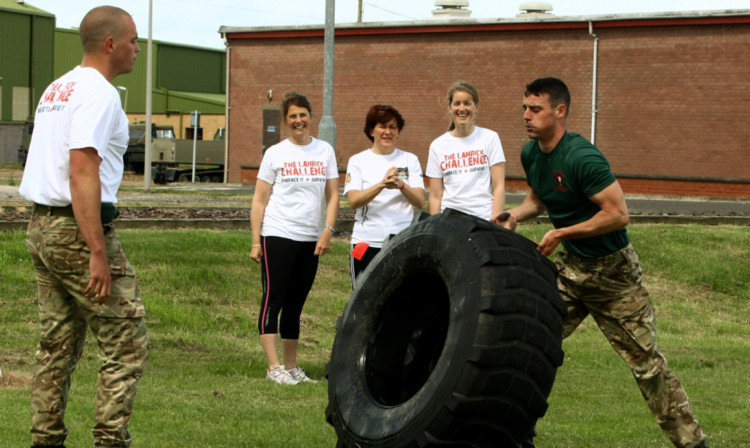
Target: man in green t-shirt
[600,273]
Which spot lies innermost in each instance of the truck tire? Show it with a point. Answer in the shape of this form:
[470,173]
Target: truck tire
[452,337]
[138,167]
[160,177]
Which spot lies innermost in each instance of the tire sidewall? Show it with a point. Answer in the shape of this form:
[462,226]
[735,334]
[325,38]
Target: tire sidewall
[368,420]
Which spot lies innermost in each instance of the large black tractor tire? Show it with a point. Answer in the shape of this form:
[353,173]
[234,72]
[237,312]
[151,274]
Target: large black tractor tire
[452,337]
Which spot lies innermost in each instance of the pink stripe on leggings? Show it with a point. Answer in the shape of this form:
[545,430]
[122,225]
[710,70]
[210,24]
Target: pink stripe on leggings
[268,289]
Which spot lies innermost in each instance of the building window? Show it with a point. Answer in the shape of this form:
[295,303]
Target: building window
[21,106]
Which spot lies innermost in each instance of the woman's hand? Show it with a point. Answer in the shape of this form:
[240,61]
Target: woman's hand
[256,253]
[391,179]
[324,242]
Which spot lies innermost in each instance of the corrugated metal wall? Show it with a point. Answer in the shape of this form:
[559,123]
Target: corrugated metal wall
[42,32]
[25,58]
[188,69]
[68,51]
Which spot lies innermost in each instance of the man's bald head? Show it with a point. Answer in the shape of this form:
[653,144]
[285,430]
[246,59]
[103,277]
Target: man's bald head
[100,23]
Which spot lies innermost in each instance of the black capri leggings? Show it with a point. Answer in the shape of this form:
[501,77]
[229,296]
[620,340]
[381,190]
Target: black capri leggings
[288,271]
[357,266]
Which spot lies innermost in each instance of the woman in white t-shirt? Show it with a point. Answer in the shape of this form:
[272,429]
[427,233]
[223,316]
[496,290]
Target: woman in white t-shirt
[466,165]
[384,185]
[291,229]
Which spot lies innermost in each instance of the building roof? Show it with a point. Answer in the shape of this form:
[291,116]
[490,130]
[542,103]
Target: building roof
[440,24]
[209,98]
[22,8]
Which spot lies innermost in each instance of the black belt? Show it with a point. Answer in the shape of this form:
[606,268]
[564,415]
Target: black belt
[42,209]
[108,214]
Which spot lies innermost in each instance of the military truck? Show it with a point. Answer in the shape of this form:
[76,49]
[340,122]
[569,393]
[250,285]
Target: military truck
[162,146]
[171,158]
[209,161]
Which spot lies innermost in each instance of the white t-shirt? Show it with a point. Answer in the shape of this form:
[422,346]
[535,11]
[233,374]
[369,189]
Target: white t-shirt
[298,175]
[389,212]
[79,110]
[464,165]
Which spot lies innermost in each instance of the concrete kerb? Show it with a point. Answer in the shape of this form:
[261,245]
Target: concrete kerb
[644,210]
[344,226]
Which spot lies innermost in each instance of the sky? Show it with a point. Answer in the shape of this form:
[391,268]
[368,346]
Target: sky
[197,22]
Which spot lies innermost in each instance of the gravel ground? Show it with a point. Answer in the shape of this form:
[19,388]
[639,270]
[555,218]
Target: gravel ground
[161,203]
[186,201]
[174,202]
[139,205]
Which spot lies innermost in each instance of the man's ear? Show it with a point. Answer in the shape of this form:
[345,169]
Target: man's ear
[109,44]
[561,110]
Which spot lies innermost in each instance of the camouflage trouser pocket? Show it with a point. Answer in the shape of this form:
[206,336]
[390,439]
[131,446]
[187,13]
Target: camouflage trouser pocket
[125,285]
[64,250]
[118,263]
[635,316]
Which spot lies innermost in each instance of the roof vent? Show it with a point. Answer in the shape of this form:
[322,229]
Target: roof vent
[451,8]
[535,9]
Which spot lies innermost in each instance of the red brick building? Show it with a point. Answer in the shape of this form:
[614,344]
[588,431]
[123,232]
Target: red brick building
[668,94]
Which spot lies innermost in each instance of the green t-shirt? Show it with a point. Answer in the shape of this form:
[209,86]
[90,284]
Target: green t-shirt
[564,180]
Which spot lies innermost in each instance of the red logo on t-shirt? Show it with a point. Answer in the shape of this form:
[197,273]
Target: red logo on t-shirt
[560,179]
[57,92]
[465,159]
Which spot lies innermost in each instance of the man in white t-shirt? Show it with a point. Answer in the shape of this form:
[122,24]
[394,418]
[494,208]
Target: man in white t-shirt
[72,174]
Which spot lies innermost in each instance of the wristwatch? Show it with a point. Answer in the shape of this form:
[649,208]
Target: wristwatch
[330,228]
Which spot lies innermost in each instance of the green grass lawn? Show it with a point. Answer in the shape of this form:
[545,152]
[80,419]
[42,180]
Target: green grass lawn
[205,385]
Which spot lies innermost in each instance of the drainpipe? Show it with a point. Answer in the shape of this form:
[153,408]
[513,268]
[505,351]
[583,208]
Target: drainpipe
[593,83]
[226,113]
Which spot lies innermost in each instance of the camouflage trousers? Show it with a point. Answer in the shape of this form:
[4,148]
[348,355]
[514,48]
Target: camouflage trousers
[61,257]
[610,289]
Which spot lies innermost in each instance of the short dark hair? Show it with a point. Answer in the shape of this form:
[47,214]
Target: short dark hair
[556,89]
[381,114]
[100,23]
[295,99]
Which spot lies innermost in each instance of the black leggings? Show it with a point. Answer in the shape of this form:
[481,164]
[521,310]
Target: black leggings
[357,266]
[288,271]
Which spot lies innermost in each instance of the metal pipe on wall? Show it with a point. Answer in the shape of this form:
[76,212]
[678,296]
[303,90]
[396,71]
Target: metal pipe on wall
[593,82]
[149,101]
[226,113]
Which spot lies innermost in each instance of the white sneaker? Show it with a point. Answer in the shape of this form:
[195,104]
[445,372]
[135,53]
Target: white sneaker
[299,375]
[281,376]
